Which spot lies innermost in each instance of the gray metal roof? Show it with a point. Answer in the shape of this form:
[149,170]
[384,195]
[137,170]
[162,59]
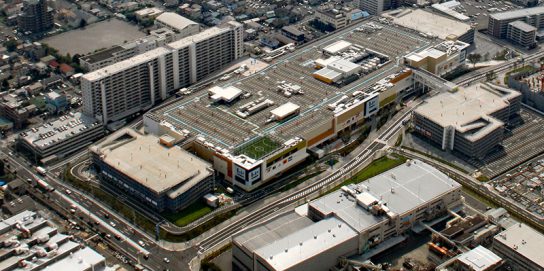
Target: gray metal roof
[401,189]
[305,244]
[522,26]
[519,13]
[63,128]
[271,231]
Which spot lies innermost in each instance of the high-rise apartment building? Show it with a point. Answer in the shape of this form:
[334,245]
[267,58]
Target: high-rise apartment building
[135,84]
[35,17]
[498,22]
[373,7]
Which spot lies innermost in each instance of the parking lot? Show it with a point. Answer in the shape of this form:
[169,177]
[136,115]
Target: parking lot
[226,129]
[521,143]
[99,35]
[479,10]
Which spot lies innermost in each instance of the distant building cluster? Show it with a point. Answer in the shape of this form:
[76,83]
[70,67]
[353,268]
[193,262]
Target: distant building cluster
[31,242]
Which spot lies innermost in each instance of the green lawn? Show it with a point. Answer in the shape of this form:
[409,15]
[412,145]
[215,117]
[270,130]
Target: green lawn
[258,148]
[527,68]
[377,167]
[189,214]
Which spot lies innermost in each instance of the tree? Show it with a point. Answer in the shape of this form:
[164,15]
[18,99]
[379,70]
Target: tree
[82,23]
[474,58]
[147,23]
[5,84]
[2,169]
[10,45]
[75,59]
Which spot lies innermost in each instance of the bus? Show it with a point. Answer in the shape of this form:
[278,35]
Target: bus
[42,171]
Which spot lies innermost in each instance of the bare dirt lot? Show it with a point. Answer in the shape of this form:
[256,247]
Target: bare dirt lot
[93,37]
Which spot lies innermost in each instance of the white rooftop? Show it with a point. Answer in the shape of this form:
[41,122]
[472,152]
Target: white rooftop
[161,169]
[184,42]
[447,8]
[469,109]
[285,110]
[479,259]
[307,243]
[523,26]
[518,13]
[81,260]
[523,240]
[125,64]
[402,189]
[337,47]
[329,74]
[174,20]
[149,11]
[445,48]
[430,23]
[227,94]
[344,66]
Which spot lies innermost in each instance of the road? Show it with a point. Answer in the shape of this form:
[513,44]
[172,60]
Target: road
[480,74]
[93,211]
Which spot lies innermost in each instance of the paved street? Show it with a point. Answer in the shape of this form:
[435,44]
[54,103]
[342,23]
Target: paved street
[93,211]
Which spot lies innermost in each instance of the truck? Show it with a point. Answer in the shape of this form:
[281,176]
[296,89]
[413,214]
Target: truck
[42,171]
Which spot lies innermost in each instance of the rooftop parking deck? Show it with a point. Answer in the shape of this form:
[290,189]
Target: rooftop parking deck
[220,124]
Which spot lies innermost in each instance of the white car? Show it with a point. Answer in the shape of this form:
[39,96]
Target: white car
[166,260]
[112,224]
[141,243]
[68,192]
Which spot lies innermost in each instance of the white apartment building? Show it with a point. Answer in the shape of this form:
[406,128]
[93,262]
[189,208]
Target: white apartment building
[135,84]
[103,58]
[373,7]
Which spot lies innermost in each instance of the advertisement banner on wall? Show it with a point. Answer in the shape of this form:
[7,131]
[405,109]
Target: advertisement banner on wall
[371,106]
[462,55]
[254,175]
[239,172]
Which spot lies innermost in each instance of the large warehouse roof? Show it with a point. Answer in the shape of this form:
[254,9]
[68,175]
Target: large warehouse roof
[403,188]
[430,23]
[175,20]
[268,233]
[308,243]
[154,166]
